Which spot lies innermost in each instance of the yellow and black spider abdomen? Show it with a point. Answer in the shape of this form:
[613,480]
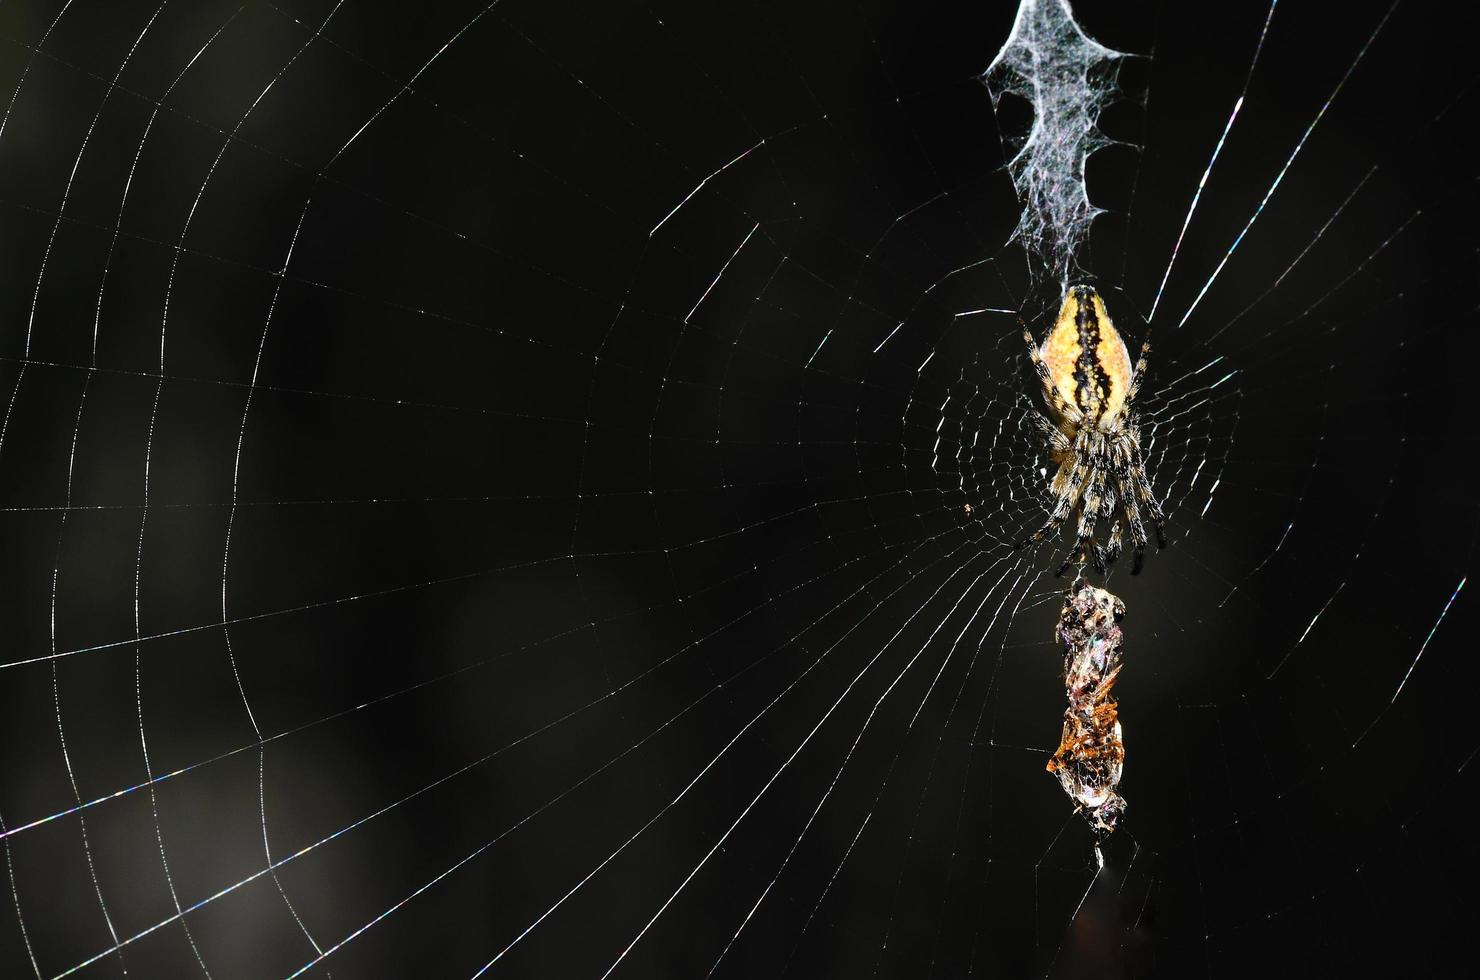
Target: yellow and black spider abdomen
[1086,358]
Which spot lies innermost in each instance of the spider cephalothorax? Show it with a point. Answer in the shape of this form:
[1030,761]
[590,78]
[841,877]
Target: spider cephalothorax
[1090,386]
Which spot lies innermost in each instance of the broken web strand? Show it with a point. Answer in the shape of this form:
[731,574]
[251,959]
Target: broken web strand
[1402,148]
[1280,176]
[1257,349]
[1217,149]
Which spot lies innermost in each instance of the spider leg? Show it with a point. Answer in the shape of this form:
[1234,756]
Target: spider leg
[1153,508]
[1128,496]
[1113,549]
[1090,511]
[1065,408]
[1067,487]
[1139,374]
[1057,441]
[1108,512]
[1117,499]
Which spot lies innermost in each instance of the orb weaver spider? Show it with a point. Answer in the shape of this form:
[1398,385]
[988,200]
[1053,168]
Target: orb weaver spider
[1090,386]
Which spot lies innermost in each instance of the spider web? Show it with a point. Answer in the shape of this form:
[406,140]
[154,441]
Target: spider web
[488,492]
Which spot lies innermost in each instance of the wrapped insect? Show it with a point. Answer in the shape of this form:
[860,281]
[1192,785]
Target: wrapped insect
[1091,754]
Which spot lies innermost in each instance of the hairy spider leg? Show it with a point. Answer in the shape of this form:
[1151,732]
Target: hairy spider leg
[1116,498]
[1085,548]
[1129,492]
[1110,551]
[1057,441]
[1139,373]
[1134,472]
[1067,410]
[1115,546]
[1143,490]
[1068,487]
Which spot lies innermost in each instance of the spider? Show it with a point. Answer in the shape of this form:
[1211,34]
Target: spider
[1089,386]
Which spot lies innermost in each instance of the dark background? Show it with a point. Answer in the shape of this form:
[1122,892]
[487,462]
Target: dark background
[521,538]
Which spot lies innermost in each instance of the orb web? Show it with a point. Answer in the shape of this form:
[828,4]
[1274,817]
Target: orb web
[594,407]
